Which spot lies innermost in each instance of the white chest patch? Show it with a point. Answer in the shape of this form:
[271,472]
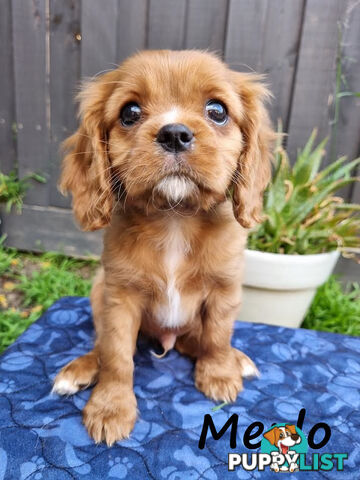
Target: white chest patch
[171,314]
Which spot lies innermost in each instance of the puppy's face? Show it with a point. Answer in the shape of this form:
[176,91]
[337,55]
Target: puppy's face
[283,437]
[174,138]
[169,130]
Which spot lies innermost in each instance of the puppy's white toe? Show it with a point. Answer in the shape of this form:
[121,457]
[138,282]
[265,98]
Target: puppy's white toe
[249,370]
[62,386]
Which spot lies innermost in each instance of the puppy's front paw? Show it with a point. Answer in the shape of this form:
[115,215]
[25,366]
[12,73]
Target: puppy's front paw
[221,380]
[109,417]
[275,467]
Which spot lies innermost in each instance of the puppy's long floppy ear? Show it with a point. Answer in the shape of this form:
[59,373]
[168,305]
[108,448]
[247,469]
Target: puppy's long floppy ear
[291,428]
[271,435]
[86,170]
[254,167]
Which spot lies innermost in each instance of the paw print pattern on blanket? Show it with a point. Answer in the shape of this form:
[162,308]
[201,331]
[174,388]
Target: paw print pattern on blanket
[42,436]
[119,467]
[32,469]
[7,385]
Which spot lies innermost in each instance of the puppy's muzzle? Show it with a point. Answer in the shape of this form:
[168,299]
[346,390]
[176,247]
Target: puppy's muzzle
[175,137]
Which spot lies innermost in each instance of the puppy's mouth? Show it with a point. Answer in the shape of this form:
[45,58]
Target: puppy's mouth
[284,448]
[176,189]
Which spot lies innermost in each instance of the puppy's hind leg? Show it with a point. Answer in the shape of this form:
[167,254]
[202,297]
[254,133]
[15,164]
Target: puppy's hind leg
[83,371]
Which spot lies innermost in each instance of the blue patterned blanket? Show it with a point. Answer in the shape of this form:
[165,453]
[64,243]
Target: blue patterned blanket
[42,437]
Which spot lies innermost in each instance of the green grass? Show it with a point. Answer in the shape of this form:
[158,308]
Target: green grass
[6,256]
[32,283]
[12,324]
[335,308]
[48,284]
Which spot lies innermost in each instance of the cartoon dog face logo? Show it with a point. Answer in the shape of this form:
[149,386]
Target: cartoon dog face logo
[283,438]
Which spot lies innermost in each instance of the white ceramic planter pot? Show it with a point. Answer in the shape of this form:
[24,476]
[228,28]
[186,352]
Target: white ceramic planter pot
[278,289]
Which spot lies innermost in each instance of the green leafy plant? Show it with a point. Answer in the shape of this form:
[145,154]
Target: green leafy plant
[302,213]
[13,189]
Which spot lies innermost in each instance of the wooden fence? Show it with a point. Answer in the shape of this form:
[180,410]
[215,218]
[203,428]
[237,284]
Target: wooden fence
[47,46]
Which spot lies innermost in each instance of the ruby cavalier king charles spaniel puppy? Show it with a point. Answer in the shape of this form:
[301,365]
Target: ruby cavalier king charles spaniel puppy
[171,159]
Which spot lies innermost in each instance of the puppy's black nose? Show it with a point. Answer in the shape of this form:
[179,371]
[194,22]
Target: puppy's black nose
[295,436]
[175,137]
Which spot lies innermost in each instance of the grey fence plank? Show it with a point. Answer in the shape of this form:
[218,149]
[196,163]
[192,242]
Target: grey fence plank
[65,44]
[131,27]
[206,24]
[315,79]
[32,100]
[346,134]
[7,92]
[263,36]
[348,270]
[49,228]
[98,31]
[356,192]
[243,41]
[166,25]
[280,49]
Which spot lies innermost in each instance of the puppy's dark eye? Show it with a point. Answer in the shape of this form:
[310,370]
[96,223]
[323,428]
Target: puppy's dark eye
[216,111]
[130,114]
